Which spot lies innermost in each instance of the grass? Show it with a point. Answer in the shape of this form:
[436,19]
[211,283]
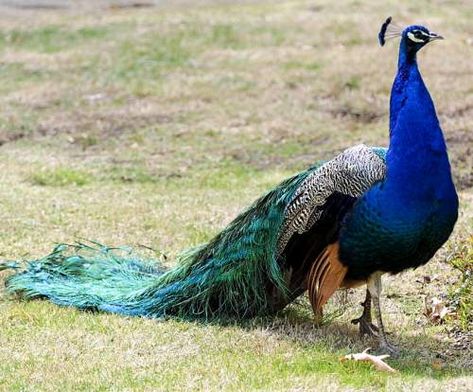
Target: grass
[156,126]
[462,294]
[50,38]
[59,177]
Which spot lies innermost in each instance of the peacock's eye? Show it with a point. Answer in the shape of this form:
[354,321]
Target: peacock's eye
[417,36]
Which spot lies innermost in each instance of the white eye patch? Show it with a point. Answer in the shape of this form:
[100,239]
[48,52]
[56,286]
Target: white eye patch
[413,38]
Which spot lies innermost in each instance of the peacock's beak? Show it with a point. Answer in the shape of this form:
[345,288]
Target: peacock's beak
[434,36]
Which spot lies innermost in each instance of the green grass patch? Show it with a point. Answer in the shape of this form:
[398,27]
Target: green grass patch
[309,66]
[461,295]
[132,174]
[16,75]
[144,63]
[228,175]
[226,36]
[60,177]
[242,36]
[16,128]
[353,83]
[140,64]
[50,39]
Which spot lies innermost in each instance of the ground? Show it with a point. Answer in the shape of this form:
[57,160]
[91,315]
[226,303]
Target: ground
[154,123]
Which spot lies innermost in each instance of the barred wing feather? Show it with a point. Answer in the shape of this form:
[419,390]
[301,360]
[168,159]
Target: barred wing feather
[351,173]
[307,242]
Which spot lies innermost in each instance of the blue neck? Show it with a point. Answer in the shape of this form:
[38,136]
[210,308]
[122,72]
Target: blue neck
[401,222]
[407,69]
[417,158]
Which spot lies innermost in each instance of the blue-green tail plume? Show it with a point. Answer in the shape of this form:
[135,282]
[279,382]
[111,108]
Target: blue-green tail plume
[236,274]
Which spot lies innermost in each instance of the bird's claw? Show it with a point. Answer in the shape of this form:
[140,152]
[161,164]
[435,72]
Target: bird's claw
[366,327]
[388,348]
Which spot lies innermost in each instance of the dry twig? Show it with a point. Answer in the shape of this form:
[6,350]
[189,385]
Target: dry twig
[376,360]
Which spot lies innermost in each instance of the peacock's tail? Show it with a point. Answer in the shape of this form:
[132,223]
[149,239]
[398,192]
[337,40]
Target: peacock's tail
[236,274]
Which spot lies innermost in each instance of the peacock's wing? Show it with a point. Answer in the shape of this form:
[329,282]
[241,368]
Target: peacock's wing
[307,242]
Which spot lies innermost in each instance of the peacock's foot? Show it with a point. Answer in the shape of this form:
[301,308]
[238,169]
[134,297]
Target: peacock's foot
[387,348]
[366,326]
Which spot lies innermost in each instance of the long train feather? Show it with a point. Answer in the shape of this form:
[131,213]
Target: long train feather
[237,274]
[229,276]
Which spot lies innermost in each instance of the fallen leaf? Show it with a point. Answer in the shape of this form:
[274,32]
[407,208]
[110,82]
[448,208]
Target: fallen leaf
[435,310]
[437,365]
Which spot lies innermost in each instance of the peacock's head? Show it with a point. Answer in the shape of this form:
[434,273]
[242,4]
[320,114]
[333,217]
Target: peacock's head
[413,37]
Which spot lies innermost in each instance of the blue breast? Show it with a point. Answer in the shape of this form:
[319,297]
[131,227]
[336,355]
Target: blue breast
[383,234]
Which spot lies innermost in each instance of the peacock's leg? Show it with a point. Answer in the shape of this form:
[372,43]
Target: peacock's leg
[366,325]
[375,287]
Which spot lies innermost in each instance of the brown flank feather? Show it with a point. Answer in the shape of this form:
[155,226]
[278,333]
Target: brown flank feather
[325,277]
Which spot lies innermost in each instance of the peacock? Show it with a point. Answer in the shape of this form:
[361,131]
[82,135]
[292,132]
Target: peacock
[339,224]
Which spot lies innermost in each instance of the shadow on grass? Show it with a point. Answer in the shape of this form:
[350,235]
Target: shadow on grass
[308,352]
[422,355]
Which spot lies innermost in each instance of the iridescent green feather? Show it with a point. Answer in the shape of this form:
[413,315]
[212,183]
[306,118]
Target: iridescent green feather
[237,274]
[228,276]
